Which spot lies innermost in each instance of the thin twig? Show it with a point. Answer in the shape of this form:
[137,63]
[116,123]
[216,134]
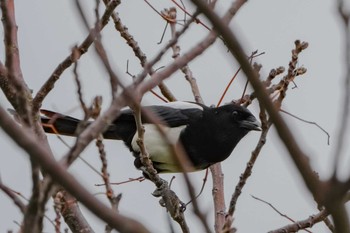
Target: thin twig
[303,224]
[99,48]
[198,21]
[329,193]
[123,30]
[10,193]
[105,175]
[152,91]
[186,70]
[279,212]
[24,139]
[298,156]
[77,81]
[82,48]
[139,179]
[308,122]
[205,178]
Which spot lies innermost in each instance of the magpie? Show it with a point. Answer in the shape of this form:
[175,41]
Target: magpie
[207,134]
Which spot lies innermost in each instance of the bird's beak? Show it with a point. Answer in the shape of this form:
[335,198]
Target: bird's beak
[251,123]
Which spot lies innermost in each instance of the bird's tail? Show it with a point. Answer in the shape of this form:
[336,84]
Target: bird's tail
[57,123]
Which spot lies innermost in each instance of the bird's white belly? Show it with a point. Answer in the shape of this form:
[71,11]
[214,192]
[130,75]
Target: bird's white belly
[157,144]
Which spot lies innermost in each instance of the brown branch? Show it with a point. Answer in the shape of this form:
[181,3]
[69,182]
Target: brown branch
[101,52]
[303,224]
[139,179]
[34,213]
[308,122]
[266,124]
[33,217]
[344,120]
[248,170]
[57,206]
[253,55]
[95,128]
[325,193]
[11,194]
[114,200]
[6,86]
[198,21]
[75,54]
[123,30]
[216,170]
[218,196]
[169,198]
[176,53]
[82,48]
[299,157]
[185,58]
[326,220]
[23,96]
[72,214]
[272,75]
[275,209]
[24,138]
[247,99]
[114,81]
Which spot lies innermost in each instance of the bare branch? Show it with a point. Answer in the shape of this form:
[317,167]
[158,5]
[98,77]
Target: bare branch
[169,198]
[248,170]
[105,175]
[123,30]
[23,96]
[11,194]
[71,213]
[298,156]
[275,209]
[101,52]
[25,140]
[218,196]
[78,82]
[82,48]
[344,121]
[171,13]
[327,194]
[303,224]
[309,122]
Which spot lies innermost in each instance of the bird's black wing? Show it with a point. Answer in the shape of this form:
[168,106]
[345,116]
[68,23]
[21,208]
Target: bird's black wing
[173,117]
[171,114]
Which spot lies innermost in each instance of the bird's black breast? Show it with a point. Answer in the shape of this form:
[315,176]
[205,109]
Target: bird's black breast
[211,138]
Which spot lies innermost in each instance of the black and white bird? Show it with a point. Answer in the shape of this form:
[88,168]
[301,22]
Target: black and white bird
[207,134]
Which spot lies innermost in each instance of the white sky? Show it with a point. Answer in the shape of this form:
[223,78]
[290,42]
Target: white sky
[49,29]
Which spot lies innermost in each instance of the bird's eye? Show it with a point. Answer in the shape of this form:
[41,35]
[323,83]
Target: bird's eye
[235,114]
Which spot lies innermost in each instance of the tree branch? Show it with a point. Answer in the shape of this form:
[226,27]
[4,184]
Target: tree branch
[82,49]
[23,97]
[25,140]
[324,193]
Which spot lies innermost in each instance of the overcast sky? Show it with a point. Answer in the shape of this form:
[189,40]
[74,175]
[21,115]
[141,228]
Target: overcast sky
[49,29]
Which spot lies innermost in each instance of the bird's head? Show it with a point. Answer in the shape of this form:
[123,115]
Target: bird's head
[240,116]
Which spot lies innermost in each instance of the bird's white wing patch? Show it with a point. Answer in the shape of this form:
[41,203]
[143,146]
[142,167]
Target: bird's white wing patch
[156,144]
[182,105]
